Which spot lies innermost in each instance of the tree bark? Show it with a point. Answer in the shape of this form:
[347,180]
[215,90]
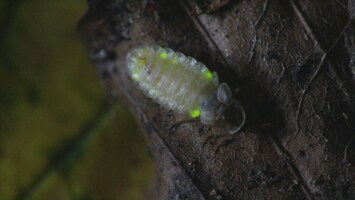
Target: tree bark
[291,62]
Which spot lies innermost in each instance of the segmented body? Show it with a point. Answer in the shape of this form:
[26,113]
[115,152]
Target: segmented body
[170,78]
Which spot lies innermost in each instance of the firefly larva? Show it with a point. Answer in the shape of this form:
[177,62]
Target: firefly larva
[184,85]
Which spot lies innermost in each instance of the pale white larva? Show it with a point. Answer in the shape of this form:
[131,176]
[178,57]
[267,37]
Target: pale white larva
[184,85]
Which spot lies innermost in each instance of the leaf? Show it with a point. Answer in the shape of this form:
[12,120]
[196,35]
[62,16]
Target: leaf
[291,65]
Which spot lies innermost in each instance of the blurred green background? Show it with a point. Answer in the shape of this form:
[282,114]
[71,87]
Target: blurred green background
[59,138]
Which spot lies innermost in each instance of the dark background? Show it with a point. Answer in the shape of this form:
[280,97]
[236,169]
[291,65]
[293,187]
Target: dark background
[59,136]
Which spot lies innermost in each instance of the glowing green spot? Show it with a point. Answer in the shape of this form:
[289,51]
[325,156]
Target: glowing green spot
[208,75]
[163,55]
[195,113]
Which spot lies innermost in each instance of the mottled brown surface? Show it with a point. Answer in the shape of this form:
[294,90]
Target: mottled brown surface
[290,61]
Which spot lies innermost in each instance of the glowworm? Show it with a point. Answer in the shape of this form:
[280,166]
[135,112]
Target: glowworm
[184,85]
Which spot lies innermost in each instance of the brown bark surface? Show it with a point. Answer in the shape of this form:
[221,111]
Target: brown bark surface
[292,64]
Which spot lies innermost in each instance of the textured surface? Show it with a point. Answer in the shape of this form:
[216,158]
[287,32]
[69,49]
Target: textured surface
[290,61]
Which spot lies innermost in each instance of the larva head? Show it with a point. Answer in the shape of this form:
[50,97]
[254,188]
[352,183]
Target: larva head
[220,107]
